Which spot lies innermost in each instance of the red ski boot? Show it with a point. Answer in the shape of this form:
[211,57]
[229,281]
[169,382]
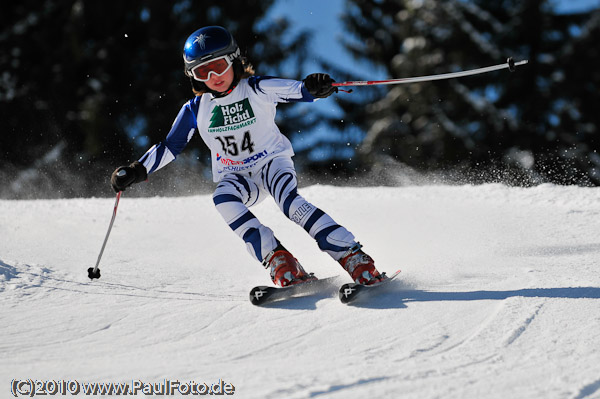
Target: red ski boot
[360,266]
[285,269]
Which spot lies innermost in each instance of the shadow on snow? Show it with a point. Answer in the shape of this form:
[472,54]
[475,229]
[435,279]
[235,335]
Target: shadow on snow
[398,299]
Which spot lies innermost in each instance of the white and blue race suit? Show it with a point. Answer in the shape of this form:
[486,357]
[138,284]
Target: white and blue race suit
[250,160]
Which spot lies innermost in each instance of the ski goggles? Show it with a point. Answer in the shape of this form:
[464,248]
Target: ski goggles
[218,66]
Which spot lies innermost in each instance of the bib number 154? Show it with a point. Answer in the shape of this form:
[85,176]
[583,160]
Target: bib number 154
[231,147]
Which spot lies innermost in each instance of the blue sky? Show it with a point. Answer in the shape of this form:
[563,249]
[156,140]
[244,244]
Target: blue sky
[322,18]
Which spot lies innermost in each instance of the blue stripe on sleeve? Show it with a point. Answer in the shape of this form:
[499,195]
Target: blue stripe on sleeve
[254,82]
[185,122]
[160,152]
[178,137]
[143,158]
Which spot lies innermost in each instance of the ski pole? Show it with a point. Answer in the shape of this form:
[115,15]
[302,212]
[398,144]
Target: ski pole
[510,64]
[94,272]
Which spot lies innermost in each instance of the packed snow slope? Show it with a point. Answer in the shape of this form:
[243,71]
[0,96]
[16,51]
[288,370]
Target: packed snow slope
[499,296]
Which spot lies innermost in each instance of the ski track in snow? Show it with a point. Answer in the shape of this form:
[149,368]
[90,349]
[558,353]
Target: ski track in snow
[499,296]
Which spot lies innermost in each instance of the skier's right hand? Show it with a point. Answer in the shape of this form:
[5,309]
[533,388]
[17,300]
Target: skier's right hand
[125,176]
[319,85]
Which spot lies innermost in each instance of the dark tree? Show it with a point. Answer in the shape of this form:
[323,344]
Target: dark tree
[87,86]
[537,124]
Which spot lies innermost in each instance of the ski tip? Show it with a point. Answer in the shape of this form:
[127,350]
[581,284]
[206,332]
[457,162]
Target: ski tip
[397,272]
[259,294]
[347,292]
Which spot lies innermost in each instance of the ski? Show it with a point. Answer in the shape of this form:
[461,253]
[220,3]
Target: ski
[351,291]
[263,294]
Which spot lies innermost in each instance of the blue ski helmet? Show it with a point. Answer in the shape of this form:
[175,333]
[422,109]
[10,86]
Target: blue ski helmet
[206,44]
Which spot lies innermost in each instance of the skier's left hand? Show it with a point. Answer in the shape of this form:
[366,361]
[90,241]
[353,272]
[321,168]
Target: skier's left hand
[319,85]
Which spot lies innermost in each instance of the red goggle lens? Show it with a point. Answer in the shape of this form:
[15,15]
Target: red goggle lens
[218,66]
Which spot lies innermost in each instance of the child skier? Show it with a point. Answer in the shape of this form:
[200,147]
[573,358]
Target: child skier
[234,112]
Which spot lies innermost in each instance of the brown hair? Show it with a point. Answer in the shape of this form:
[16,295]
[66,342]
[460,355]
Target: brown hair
[242,69]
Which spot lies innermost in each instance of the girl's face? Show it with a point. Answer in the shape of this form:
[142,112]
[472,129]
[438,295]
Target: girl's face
[220,83]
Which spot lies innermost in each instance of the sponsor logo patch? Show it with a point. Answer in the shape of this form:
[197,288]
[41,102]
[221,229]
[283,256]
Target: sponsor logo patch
[231,117]
[250,159]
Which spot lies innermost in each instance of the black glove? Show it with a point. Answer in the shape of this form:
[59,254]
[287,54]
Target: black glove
[125,176]
[319,85]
